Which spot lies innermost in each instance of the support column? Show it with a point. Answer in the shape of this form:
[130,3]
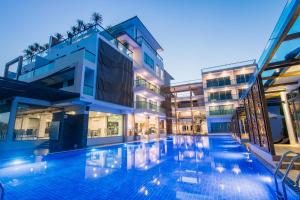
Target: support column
[12,119]
[288,119]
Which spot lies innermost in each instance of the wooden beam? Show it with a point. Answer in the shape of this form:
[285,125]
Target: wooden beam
[282,64]
[282,84]
[285,75]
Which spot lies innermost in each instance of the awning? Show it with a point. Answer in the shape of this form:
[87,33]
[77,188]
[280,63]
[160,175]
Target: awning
[10,88]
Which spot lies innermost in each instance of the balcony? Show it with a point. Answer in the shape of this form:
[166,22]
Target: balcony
[221,112]
[34,72]
[148,107]
[145,84]
[221,98]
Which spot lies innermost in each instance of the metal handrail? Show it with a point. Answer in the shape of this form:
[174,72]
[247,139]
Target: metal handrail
[291,164]
[297,180]
[278,167]
[1,191]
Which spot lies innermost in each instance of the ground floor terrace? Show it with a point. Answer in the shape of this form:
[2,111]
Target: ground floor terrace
[178,167]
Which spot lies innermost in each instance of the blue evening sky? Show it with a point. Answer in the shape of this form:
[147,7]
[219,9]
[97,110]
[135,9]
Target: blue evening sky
[193,33]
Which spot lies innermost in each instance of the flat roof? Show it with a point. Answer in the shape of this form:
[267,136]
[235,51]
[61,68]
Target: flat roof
[10,88]
[229,66]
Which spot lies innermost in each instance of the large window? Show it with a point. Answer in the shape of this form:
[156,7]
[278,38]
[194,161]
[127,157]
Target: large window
[104,125]
[218,82]
[32,122]
[243,78]
[149,61]
[220,127]
[88,87]
[4,119]
[220,96]
[221,110]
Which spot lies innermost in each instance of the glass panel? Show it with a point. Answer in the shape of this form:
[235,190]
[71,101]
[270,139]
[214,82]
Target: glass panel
[88,87]
[104,124]
[43,70]
[4,119]
[32,122]
[296,27]
[285,48]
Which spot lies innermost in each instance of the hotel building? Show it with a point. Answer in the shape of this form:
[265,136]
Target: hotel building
[95,87]
[188,109]
[223,86]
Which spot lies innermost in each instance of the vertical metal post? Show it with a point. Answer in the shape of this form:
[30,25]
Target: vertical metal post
[191,102]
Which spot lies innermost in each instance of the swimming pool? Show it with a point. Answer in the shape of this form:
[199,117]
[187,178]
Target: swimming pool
[182,167]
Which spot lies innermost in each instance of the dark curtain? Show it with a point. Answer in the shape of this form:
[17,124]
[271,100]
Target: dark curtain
[114,76]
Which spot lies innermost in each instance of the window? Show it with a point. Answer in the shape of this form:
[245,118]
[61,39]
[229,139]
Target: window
[220,96]
[243,78]
[88,87]
[221,110]
[220,127]
[33,122]
[218,82]
[104,124]
[149,61]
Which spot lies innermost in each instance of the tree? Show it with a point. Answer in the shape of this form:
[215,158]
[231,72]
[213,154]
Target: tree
[59,36]
[36,47]
[28,53]
[109,29]
[80,25]
[46,46]
[97,18]
[74,30]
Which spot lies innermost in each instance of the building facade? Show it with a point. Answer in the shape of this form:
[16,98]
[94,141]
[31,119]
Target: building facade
[107,87]
[223,86]
[188,109]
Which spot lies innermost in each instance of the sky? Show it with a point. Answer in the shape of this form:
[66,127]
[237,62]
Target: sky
[193,33]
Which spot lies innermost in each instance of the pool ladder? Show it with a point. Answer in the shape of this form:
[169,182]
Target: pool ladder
[1,191]
[280,195]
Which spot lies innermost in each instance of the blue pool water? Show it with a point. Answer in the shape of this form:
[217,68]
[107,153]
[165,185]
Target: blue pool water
[183,167]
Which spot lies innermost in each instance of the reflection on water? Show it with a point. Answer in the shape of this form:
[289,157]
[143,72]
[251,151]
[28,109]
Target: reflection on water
[184,167]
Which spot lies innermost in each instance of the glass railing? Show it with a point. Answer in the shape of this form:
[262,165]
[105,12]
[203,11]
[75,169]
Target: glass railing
[225,98]
[150,106]
[37,72]
[146,84]
[82,35]
[221,112]
[228,66]
[141,105]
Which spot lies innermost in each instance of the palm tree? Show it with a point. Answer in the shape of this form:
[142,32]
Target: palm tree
[109,29]
[46,46]
[97,18]
[88,25]
[74,30]
[58,36]
[70,36]
[36,47]
[31,48]
[27,53]
[80,25]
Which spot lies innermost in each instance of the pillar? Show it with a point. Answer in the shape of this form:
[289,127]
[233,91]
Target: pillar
[288,118]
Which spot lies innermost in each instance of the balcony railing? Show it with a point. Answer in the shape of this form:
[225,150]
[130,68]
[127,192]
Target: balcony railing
[78,37]
[221,112]
[232,81]
[37,72]
[149,106]
[226,98]
[146,84]
[228,66]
